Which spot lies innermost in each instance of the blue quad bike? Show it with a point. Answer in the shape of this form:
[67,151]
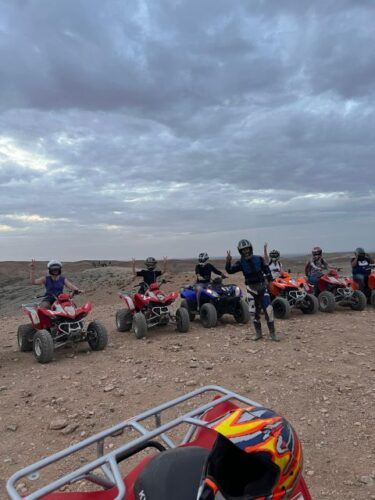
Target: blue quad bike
[215,300]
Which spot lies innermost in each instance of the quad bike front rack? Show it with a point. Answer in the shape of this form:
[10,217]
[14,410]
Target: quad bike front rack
[108,462]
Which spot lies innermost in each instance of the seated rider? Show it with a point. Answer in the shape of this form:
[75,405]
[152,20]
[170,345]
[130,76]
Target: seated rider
[273,261]
[150,274]
[314,267]
[361,268]
[256,273]
[54,282]
[204,269]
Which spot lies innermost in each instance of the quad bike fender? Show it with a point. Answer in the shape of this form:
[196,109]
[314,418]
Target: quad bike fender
[128,301]
[33,315]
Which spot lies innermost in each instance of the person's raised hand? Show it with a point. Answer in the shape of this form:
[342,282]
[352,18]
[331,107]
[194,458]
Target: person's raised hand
[32,264]
[229,256]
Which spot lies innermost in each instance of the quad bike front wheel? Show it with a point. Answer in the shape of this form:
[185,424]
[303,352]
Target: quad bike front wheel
[185,305]
[208,315]
[358,301]
[43,346]
[281,308]
[139,325]
[372,298]
[327,302]
[97,336]
[310,304]
[25,335]
[124,320]
[182,320]
[242,313]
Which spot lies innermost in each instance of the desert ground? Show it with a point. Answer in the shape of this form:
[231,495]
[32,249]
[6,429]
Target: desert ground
[320,376]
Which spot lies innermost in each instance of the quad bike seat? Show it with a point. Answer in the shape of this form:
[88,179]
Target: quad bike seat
[174,473]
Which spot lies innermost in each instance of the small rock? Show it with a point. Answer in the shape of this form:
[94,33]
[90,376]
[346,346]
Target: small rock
[58,423]
[12,427]
[69,429]
[109,388]
[191,383]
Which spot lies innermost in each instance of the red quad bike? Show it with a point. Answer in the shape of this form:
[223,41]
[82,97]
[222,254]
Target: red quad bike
[334,289]
[61,325]
[167,469]
[289,293]
[149,309]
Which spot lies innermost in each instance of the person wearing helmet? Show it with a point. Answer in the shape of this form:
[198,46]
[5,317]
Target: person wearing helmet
[273,261]
[256,455]
[315,267]
[256,273]
[53,281]
[204,269]
[361,267]
[150,273]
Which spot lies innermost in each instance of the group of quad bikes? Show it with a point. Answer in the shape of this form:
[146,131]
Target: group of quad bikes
[63,324]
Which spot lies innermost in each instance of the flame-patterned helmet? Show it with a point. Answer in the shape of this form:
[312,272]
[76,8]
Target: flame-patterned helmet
[274,254]
[257,455]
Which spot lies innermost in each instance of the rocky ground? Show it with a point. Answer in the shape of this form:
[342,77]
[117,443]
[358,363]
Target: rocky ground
[320,376]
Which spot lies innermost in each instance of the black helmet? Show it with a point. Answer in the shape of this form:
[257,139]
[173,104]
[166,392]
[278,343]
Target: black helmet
[150,263]
[275,254]
[54,267]
[360,251]
[243,245]
[203,257]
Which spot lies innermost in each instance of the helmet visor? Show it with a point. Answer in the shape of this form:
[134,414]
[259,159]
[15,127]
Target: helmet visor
[240,475]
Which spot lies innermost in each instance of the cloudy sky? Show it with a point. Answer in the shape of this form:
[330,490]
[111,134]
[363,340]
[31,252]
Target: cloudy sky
[169,127]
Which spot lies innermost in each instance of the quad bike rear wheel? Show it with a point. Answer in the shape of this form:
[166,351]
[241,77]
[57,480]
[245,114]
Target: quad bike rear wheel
[140,325]
[43,346]
[97,336]
[358,301]
[281,308]
[242,313]
[182,320]
[185,305]
[25,336]
[327,301]
[208,315]
[124,320]
[310,304]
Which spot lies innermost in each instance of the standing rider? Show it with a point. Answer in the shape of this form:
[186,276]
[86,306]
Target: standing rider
[314,267]
[256,272]
[361,268]
[54,282]
[150,274]
[273,261]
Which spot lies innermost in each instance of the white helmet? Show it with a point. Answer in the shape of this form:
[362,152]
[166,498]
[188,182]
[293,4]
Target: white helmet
[54,265]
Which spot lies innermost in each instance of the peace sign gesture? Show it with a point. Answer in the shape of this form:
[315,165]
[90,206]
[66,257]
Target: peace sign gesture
[229,256]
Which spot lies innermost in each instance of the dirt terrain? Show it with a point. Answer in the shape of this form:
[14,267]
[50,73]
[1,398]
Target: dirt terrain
[320,376]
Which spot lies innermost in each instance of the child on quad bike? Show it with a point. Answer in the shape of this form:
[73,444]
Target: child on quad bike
[150,274]
[203,272]
[314,267]
[361,268]
[53,281]
[256,273]
[273,261]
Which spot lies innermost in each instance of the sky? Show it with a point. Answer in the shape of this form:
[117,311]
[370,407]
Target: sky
[169,127]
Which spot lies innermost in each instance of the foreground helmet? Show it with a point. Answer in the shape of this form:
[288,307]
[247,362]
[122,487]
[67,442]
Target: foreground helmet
[150,263]
[203,257]
[317,252]
[256,455]
[54,267]
[245,247]
[360,251]
[275,254]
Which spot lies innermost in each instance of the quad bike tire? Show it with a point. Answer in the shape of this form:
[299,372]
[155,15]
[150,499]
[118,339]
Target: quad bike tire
[185,305]
[124,320]
[43,347]
[208,315]
[25,334]
[359,301]
[140,325]
[310,305]
[242,313]
[372,298]
[281,308]
[327,302]
[97,336]
[182,320]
